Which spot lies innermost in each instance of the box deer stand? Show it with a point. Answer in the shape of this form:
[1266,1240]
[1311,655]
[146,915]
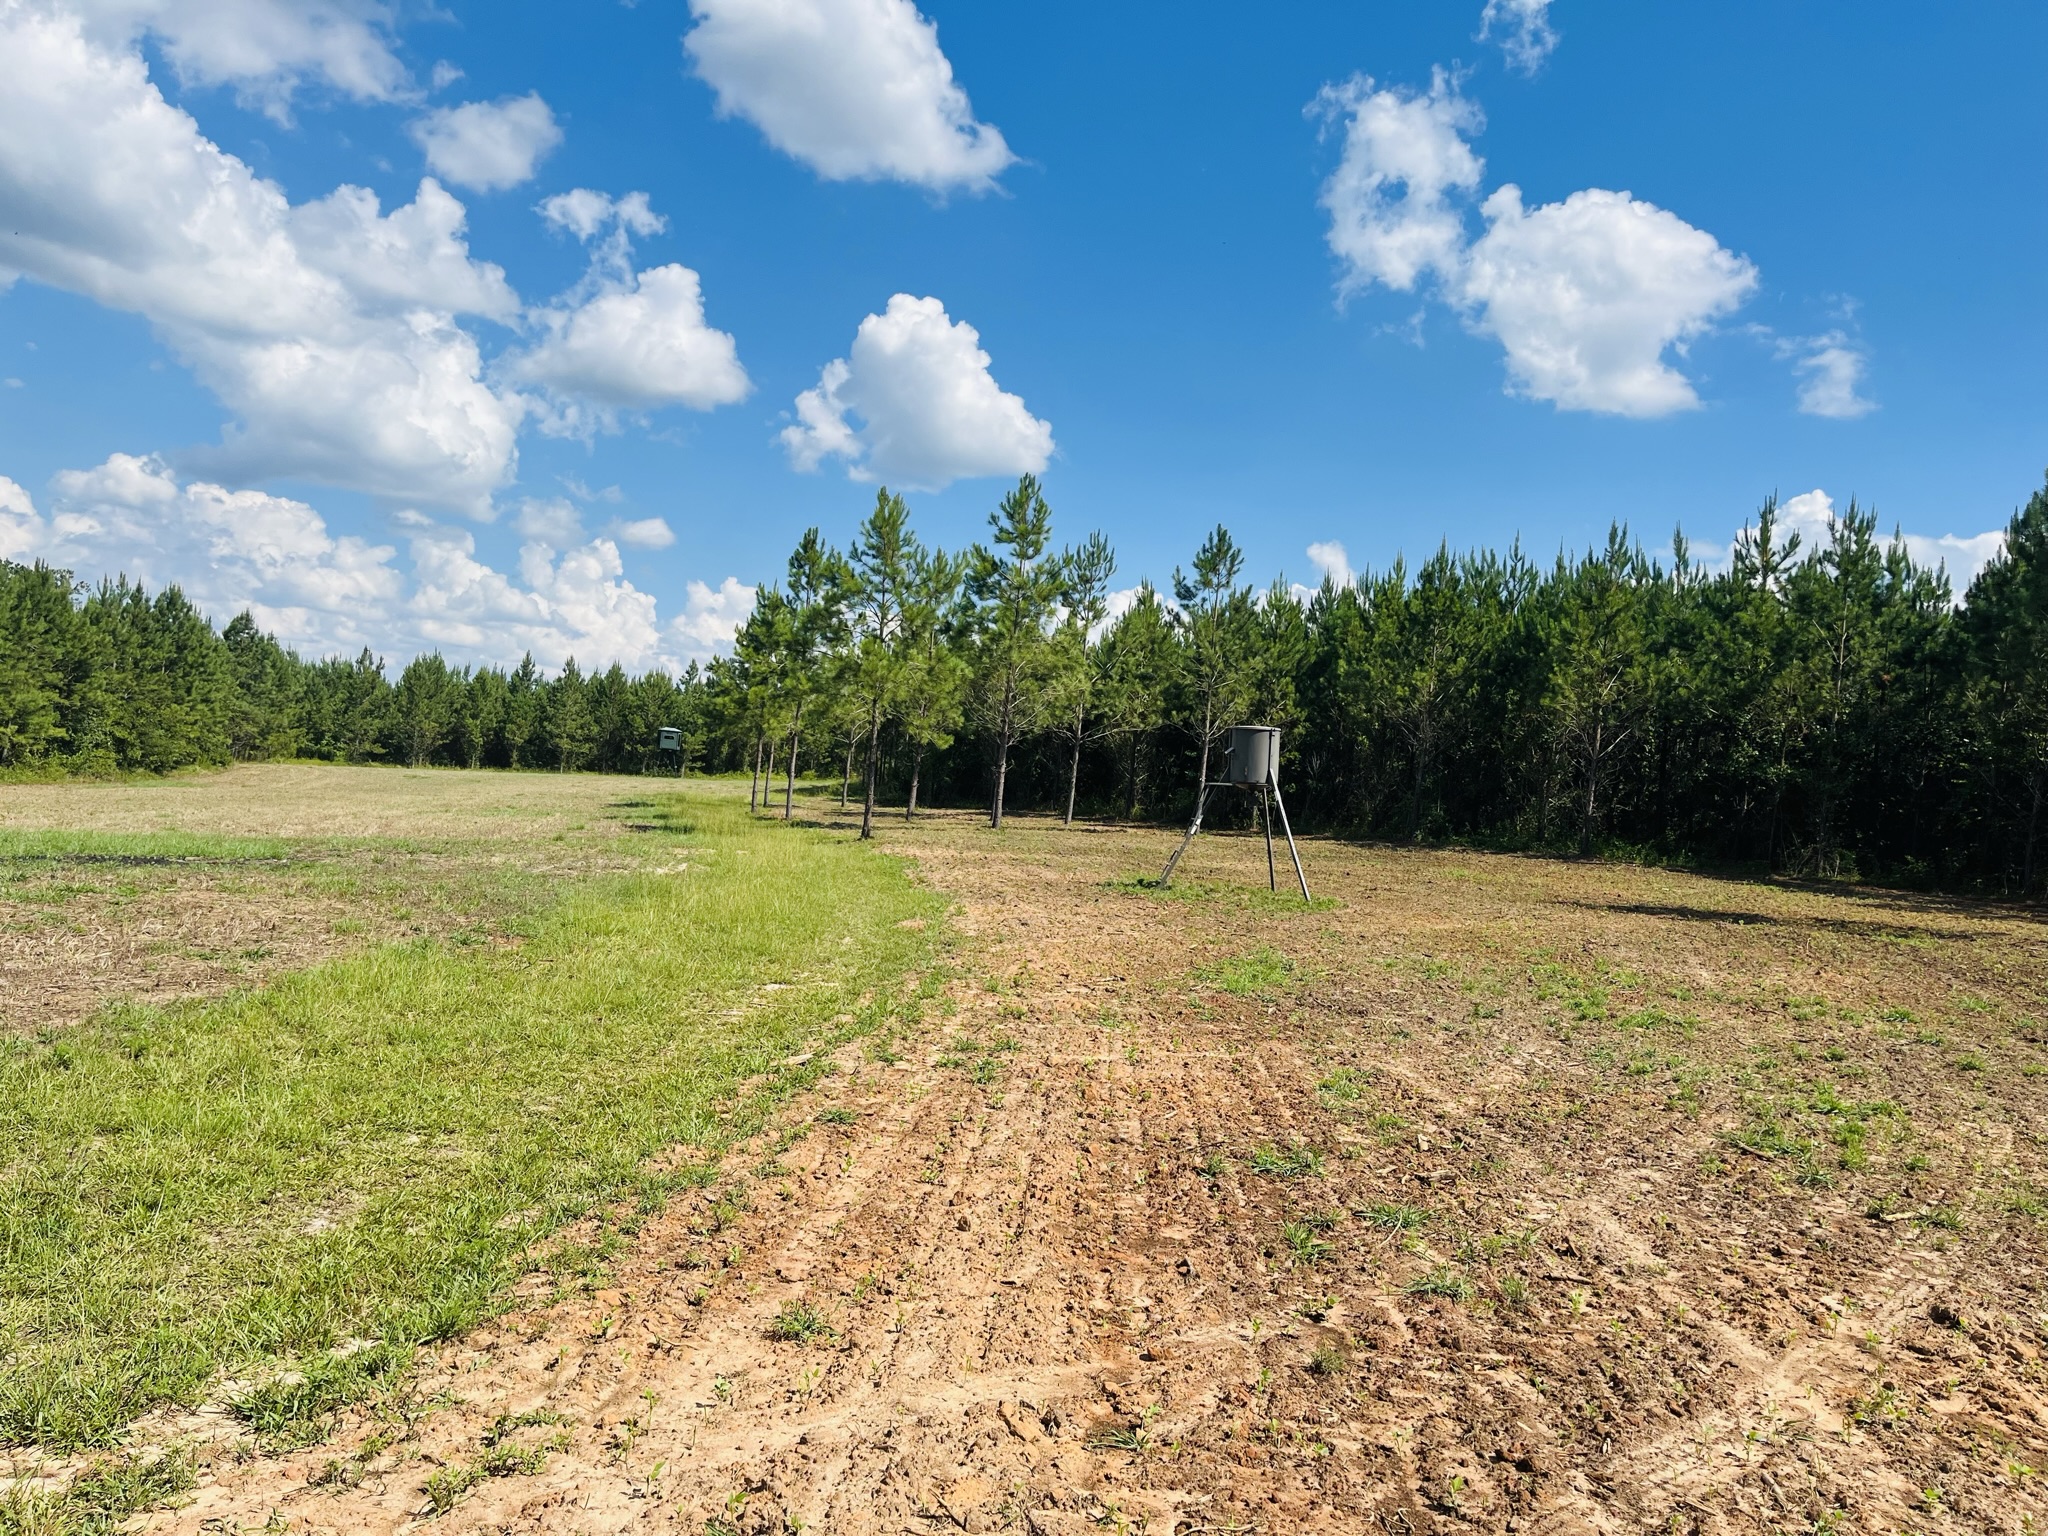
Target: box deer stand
[1254,764]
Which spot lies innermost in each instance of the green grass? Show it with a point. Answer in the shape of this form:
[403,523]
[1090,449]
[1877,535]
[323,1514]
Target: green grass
[1262,973]
[1254,898]
[1296,1162]
[367,1149]
[136,847]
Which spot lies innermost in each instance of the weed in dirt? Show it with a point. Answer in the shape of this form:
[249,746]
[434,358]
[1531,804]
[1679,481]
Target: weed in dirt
[507,1424]
[1327,1360]
[800,1323]
[1134,1438]
[1296,1162]
[837,1117]
[1305,1243]
[1343,1085]
[1394,1217]
[1441,1281]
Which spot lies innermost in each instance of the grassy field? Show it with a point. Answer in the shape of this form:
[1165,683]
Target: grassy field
[369,1148]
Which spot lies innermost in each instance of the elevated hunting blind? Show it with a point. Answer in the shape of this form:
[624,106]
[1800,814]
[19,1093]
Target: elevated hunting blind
[1253,763]
[667,739]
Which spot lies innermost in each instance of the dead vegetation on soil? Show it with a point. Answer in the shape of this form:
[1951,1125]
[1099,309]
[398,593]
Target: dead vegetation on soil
[1494,1194]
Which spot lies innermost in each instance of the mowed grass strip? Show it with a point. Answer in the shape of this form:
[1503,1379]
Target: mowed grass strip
[367,1149]
[136,847]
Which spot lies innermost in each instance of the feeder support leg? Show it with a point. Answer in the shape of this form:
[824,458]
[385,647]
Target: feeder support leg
[1292,852]
[1266,821]
[1193,827]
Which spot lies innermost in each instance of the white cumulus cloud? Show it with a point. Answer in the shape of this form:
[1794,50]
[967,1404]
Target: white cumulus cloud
[1395,139]
[914,404]
[625,340]
[326,594]
[711,617]
[1831,367]
[1331,562]
[641,344]
[488,145]
[21,527]
[1811,515]
[856,89]
[1523,30]
[228,549]
[328,328]
[645,533]
[264,48]
[1589,294]
[1588,297]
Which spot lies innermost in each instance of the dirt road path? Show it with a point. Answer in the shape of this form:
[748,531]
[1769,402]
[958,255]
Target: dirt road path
[1443,1207]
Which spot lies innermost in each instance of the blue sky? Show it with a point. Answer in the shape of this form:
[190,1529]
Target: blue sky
[1249,267]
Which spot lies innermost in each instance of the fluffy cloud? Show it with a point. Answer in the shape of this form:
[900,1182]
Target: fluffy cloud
[1811,515]
[488,145]
[1397,139]
[625,340]
[325,593]
[1523,29]
[263,48]
[21,529]
[712,616]
[330,328]
[1832,370]
[914,404]
[553,522]
[1586,296]
[1331,562]
[856,89]
[646,533]
[641,344]
[227,549]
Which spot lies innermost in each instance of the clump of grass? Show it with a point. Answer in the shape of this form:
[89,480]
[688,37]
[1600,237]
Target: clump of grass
[1441,1281]
[1306,1244]
[101,1499]
[1394,1217]
[1327,1360]
[836,1116]
[1343,1085]
[298,1408]
[1296,1162]
[800,1323]
[1262,973]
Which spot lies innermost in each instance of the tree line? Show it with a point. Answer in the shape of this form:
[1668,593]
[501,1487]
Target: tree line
[1824,709]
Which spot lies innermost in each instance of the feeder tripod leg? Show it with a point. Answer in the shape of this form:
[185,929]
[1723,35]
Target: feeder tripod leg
[1292,852]
[1193,827]
[1266,821]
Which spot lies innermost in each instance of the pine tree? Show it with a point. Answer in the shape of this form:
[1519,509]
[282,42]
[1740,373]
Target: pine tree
[1014,592]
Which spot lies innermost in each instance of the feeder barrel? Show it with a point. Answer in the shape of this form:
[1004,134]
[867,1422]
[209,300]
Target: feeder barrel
[1254,754]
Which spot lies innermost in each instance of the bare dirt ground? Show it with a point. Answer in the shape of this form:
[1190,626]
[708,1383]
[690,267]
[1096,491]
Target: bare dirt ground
[374,857]
[1495,1194]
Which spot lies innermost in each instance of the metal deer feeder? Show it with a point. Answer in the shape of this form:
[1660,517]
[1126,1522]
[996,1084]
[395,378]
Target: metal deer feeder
[1254,763]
